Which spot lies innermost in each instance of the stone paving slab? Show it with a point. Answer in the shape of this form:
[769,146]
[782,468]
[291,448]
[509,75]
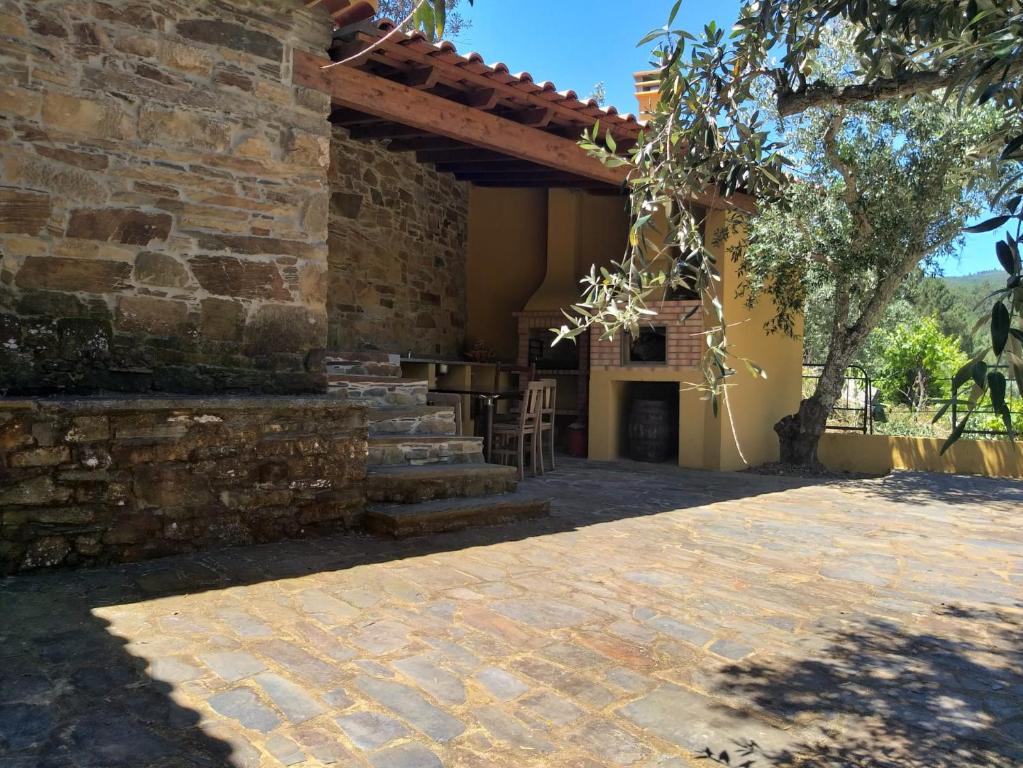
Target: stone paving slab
[658,619]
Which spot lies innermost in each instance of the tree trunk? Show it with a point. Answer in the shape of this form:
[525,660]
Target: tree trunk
[799,433]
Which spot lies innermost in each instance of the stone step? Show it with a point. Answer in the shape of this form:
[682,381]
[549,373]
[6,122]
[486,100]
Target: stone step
[402,520]
[412,420]
[411,485]
[378,390]
[340,367]
[418,450]
[368,363]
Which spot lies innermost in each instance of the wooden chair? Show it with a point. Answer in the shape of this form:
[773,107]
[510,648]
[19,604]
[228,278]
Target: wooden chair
[452,400]
[513,441]
[520,376]
[548,416]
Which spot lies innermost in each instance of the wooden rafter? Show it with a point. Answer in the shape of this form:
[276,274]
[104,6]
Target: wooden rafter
[464,155]
[421,113]
[471,82]
[537,118]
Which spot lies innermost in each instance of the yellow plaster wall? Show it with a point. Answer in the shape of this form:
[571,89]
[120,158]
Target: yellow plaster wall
[511,234]
[507,262]
[878,454]
[604,233]
[756,404]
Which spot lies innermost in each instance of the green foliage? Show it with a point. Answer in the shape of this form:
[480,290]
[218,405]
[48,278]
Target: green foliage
[708,134]
[918,363]
[435,18]
[844,225]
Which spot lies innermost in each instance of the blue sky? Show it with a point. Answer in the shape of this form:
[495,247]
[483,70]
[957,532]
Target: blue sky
[578,43]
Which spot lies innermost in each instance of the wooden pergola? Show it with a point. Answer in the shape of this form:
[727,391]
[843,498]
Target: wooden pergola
[477,121]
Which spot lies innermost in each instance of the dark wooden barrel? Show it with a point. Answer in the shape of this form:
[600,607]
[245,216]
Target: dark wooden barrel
[650,431]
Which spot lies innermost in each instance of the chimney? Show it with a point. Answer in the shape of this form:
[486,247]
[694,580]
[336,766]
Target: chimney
[648,92]
[560,287]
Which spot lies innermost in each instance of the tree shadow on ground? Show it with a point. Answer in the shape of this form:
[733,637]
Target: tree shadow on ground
[939,489]
[946,695]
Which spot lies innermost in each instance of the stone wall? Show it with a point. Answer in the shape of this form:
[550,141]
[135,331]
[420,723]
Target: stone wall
[398,240]
[163,196]
[96,481]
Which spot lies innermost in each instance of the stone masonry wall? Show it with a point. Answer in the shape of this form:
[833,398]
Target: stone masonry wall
[398,239]
[163,196]
[98,481]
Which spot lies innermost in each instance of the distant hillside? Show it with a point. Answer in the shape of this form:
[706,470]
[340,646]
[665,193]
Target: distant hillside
[994,277]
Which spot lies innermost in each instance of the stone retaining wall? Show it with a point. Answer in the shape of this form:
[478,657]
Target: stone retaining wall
[97,481]
[163,197]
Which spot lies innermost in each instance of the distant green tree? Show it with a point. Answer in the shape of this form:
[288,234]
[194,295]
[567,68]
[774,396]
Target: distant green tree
[919,362]
[931,296]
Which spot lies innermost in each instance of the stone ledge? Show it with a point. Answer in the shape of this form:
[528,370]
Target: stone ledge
[176,403]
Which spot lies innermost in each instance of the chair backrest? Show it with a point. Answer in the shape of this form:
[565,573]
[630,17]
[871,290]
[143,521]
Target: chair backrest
[532,403]
[449,399]
[525,374]
[548,406]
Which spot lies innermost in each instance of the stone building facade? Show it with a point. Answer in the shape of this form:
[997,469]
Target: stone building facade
[163,197]
[397,252]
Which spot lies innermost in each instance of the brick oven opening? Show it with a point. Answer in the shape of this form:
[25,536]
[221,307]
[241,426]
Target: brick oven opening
[548,356]
[650,421]
[648,347]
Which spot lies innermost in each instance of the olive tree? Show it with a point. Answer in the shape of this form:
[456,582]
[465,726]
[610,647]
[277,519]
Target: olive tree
[880,187]
[708,137]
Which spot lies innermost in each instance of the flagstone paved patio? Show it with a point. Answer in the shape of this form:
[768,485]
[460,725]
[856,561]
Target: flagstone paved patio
[657,614]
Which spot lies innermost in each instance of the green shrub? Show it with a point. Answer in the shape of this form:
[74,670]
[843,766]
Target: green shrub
[918,363]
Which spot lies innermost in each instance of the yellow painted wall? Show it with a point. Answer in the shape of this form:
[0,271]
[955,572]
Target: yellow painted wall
[507,262]
[605,231]
[511,234]
[756,404]
[878,454]
[706,441]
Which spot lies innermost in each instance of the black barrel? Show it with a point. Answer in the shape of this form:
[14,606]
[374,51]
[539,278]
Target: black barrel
[650,431]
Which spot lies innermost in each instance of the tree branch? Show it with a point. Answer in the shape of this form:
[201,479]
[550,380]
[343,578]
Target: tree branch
[820,94]
[852,190]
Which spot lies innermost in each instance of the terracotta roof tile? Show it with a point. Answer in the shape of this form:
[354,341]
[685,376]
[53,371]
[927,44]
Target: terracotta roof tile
[445,52]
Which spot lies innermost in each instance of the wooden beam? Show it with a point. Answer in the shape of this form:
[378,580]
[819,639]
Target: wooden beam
[466,154]
[386,130]
[461,77]
[422,78]
[428,113]
[536,118]
[485,98]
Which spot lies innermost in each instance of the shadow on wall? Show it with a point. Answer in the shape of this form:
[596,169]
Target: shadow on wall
[943,696]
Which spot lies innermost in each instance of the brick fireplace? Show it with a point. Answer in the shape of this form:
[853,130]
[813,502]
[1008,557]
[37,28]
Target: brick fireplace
[682,340]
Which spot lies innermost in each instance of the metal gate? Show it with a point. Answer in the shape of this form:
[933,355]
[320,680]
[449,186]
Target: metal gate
[854,411]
